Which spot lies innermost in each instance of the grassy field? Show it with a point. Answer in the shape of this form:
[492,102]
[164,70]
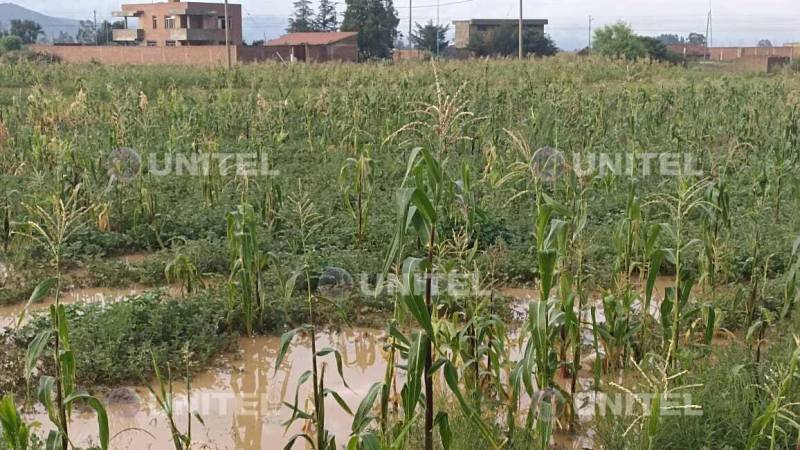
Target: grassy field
[418,169]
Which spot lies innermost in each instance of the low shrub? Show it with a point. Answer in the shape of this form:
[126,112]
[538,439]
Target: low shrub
[10,43]
[114,342]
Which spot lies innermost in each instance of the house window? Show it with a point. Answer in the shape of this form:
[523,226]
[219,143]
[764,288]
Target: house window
[221,22]
[151,43]
[155,22]
[170,43]
[169,22]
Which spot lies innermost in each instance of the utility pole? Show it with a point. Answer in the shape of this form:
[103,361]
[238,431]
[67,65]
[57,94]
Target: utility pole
[519,31]
[437,28]
[96,36]
[227,35]
[410,22]
[591,19]
[709,31]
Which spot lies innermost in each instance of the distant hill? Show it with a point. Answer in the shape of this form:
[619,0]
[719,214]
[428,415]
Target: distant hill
[52,26]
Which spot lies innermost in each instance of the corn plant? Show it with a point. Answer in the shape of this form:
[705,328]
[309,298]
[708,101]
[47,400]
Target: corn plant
[52,229]
[16,433]
[679,207]
[618,332]
[715,220]
[418,209]
[355,183]
[245,289]
[164,398]
[781,417]
[182,270]
[662,385]
[64,385]
[790,292]
[308,222]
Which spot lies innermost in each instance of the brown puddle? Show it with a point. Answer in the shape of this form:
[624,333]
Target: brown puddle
[242,401]
[242,404]
[10,313]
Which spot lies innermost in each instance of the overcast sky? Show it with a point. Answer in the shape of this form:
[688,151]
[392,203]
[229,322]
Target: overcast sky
[735,22]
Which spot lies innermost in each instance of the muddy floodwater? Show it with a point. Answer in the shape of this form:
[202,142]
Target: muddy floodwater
[9,314]
[241,399]
[241,402]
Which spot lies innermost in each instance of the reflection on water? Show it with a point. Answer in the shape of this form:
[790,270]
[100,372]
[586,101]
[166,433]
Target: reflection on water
[242,401]
[241,404]
[10,313]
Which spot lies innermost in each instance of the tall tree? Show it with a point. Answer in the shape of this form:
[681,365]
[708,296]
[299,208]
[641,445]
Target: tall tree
[697,39]
[430,37]
[765,43]
[619,41]
[503,41]
[27,30]
[671,39]
[302,18]
[326,16]
[64,38]
[86,33]
[376,23]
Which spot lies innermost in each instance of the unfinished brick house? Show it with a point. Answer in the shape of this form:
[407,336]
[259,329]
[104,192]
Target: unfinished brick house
[315,46]
[176,24]
[465,29]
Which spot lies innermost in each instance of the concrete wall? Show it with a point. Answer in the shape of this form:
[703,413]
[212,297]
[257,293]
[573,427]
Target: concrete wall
[261,54]
[201,55]
[762,64]
[731,53]
[209,12]
[198,55]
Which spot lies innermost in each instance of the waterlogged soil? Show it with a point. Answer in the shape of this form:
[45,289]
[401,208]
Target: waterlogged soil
[242,400]
[9,314]
[242,403]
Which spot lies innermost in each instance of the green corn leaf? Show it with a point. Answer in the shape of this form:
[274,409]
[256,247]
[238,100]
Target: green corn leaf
[45,396]
[363,414]
[294,438]
[445,433]
[286,340]
[39,293]
[338,399]
[35,349]
[99,409]
[339,363]
[416,365]
[655,268]
[14,431]
[547,265]
[63,326]
[294,407]
[711,318]
[67,362]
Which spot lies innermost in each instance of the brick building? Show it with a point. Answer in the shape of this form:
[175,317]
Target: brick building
[176,24]
[315,46]
[465,29]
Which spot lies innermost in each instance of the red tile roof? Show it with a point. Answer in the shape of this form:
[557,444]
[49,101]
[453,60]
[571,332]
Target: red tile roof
[312,38]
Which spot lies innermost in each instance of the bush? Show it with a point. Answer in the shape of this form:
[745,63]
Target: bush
[10,43]
[114,342]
